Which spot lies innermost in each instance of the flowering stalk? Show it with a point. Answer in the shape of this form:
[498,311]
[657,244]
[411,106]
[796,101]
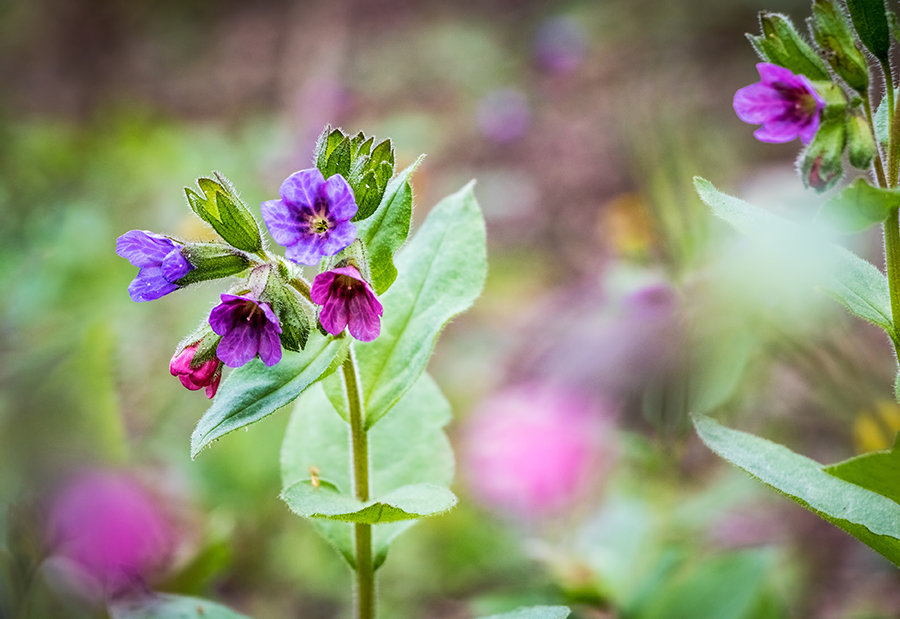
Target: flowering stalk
[365,568]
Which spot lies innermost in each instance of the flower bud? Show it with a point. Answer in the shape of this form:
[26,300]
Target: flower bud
[197,366]
[212,261]
[820,163]
[860,142]
[782,45]
[832,32]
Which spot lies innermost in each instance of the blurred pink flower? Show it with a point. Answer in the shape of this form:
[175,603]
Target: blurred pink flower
[504,115]
[535,449]
[560,45]
[108,524]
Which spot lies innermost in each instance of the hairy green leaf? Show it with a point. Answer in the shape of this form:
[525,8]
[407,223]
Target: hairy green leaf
[870,517]
[165,606]
[255,391]
[870,20]
[860,206]
[878,471]
[535,612]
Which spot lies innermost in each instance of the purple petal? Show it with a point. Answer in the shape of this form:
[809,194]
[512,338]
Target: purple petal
[778,131]
[334,315]
[301,188]
[150,285]
[341,202]
[143,248]
[808,131]
[270,345]
[175,266]
[321,288]
[238,346]
[223,317]
[285,223]
[270,316]
[771,73]
[757,103]
[306,250]
[339,238]
[364,322]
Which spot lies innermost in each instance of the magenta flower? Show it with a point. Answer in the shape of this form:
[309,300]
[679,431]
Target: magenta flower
[107,523]
[159,259]
[785,104]
[347,299]
[535,449]
[248,328]
[207,374]
[312,218]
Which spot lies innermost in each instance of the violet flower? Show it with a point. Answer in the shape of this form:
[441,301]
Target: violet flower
[347,299]
[785,104]
[159,259]
[312,218]
[248,328]
[207,374]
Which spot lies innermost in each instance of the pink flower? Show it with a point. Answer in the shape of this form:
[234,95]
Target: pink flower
[535,449]
[110,525]
[347,299]
[785,104]
[206,374]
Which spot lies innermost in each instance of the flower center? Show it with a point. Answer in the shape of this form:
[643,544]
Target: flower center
[319,225]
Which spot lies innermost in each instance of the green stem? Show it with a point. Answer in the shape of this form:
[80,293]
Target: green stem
[892,258]
[878,164]
[365,568]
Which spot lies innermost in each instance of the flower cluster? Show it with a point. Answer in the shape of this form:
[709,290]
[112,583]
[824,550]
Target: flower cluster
[271,305]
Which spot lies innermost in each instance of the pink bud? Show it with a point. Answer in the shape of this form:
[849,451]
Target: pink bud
[207,374]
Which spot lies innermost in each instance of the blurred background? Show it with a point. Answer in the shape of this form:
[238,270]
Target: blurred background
[614,306]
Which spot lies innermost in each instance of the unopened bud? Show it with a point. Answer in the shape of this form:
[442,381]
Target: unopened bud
[820,163]
[860,142]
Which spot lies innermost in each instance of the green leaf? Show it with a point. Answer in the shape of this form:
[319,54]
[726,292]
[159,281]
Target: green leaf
[782,45]
[869,17]
[222,208]
[878,471]
[368,196]
[165,606]
[871,518]
[325,145]
[442,272]
[254,391]
[882,123]
[387,229]
[408,447]
[405,503]
[857,284]
[860,206]
[339,160]
[535,612]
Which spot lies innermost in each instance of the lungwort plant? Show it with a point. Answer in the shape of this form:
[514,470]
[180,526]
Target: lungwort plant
[821,91]
[365,455]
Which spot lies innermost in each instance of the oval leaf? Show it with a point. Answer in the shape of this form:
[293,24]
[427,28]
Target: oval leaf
[442,272]
[535,612]
[165,606]
[867,516]
[254,391]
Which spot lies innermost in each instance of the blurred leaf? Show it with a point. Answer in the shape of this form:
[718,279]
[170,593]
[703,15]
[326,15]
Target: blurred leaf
[860,205]
[405,503]
[781,44]
[409,447]
[857,284]
[871,518]
[727,586]
[254,391]
[878,471]
[882,123]
[387,229]
[869,17]
[535,612]
[164,606]
[442,272]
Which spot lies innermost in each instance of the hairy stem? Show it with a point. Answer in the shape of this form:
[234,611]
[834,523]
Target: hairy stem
[365,568]
[892,259]
[877,163]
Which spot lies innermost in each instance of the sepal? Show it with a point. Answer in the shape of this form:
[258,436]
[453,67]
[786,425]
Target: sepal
[860,142]
[781,44]
[212,261]
[820,164]
[222,208]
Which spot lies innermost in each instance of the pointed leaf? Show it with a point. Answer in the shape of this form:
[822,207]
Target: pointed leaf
[535,612]
[857,284]
[860,206]
[442,272]
[255,391]
[165,606]
[869,17]
[368,196]
[339,160]
[878,471]
[871,518]
[386,230]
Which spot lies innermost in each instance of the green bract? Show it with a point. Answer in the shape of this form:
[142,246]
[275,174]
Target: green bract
[781,44]
[222,208]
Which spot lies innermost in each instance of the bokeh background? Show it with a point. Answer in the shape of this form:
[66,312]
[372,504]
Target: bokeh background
[614,306]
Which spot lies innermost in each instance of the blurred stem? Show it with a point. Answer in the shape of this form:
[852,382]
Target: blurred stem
[365,569]
[879,166]
[892,258]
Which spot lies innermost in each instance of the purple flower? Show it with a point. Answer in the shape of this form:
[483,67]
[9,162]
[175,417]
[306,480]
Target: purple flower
[207,374]
[312,218]
[159,259]
[503,115]
[787,105]
[247,328]
[112,527]
[560,45]
[346,298]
